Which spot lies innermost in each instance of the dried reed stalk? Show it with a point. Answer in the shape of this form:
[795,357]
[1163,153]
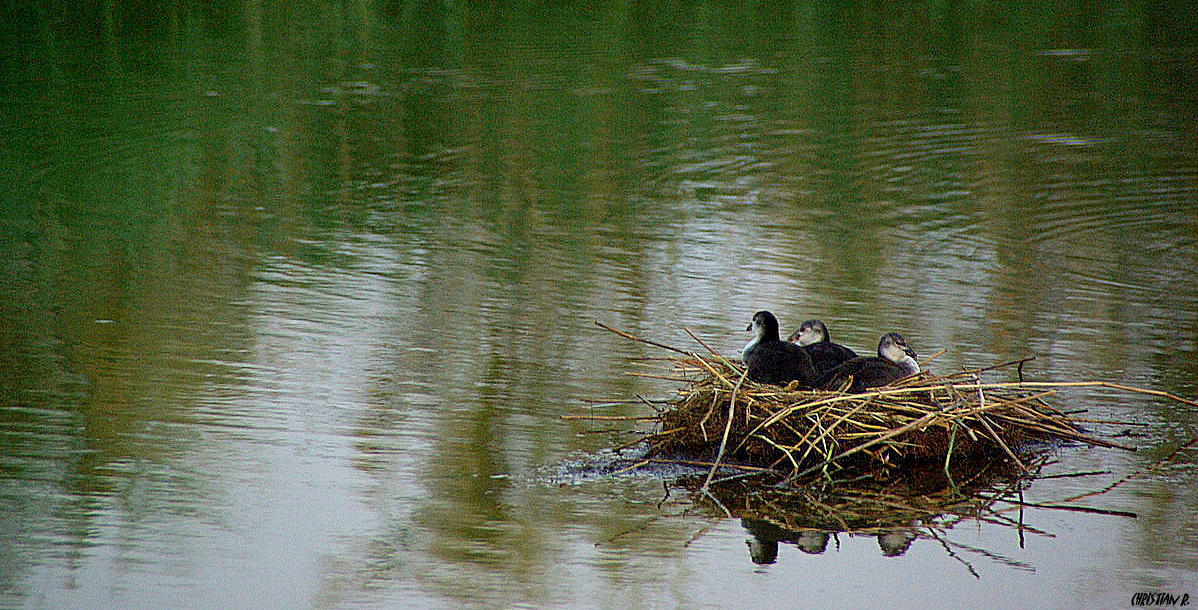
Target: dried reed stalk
[922,418]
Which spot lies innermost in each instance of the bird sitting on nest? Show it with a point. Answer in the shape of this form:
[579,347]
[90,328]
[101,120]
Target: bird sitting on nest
[772,360]
[895,360]
[813,336]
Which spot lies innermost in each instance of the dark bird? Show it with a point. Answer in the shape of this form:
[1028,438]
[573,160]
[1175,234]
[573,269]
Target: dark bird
[894,361]
[813,336]
[772,360]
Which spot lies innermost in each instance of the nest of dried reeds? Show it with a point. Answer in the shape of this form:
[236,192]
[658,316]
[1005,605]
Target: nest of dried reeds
[920,419]
[927,449]
[720,418]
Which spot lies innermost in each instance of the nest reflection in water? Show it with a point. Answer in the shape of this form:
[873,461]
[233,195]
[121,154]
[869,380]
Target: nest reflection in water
[900,462]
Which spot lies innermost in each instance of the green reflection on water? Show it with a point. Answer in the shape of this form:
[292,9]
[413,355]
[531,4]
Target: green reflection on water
[206,207]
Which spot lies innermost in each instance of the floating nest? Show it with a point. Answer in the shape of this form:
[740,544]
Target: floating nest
[721,419]
[918,455]
[919,420]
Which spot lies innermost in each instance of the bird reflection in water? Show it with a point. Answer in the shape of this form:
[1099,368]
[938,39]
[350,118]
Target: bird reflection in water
[763,544]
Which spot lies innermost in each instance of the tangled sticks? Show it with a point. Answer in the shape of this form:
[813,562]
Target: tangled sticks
[722,418]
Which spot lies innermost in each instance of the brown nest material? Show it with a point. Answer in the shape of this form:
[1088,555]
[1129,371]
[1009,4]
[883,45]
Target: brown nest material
[720,418]
[918,455]
[919,419]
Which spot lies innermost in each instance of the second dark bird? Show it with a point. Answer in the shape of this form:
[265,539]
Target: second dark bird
[813,336]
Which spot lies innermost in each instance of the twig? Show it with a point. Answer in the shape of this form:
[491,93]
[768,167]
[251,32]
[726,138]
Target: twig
[948,456]
[609,417]
[651,437]
[953,554]
[711,369]
[990,429]
[724,441]
[753,469]
[925,361]
[1079,509]
[784,450]
[1091,384]
[974,372]
[1073,474]
[636,338]
[713,352]
[632,467]
[1137,473]
[893,433]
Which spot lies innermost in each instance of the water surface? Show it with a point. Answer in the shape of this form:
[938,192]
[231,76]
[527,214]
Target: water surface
[293,297]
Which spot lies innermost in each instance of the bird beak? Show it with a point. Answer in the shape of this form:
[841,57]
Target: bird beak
[749,327]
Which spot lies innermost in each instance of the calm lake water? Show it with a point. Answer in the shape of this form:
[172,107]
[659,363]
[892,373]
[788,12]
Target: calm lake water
[293,296]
